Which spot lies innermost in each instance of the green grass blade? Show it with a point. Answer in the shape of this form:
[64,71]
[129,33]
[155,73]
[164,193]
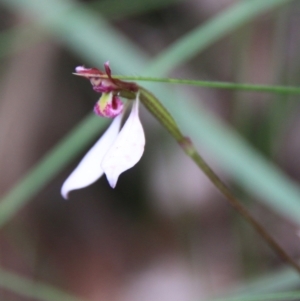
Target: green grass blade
[273,283]
[51,14]
[247,166]
[205,35]
[267,297]
[49,166]
[17,38]
[32,289]
[216,85]
[85,32]
[116,9]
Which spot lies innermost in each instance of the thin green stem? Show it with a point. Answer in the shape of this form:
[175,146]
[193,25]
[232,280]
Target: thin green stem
[160,112]
[191,151]
[164,117]
[216,84]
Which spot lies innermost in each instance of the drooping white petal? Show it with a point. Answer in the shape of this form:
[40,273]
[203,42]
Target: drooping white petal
[89,169]
[127,149]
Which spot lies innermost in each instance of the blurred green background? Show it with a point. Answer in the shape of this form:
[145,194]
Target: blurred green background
[164,233]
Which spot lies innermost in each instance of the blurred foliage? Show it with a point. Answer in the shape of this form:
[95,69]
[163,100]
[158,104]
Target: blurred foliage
[91,245]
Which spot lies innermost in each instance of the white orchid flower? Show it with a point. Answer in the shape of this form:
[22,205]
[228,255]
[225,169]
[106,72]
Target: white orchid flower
[116,151]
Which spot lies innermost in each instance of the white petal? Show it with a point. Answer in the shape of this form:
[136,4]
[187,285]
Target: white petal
[89,169]
[127,149]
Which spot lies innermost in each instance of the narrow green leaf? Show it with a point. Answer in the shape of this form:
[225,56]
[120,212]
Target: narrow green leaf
[268,297]
[250,169]
[33,289]
[86,33]
[116,9]
[205,35]
[216,85]
[49,166]
[89,36]
[276,282]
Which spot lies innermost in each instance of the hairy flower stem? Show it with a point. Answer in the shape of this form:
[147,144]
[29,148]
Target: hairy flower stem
[164,117]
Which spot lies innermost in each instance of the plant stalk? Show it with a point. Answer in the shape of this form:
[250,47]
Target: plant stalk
[165,118]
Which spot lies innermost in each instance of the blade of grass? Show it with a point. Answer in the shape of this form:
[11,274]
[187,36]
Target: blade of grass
[276,282]
[17,38]
[110,9]
[267,297]
[85,32]
[262,179]
[215,84]
[115,9]
[90,50]
[162,115]
[205,35]
[33,289]
[49,166]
